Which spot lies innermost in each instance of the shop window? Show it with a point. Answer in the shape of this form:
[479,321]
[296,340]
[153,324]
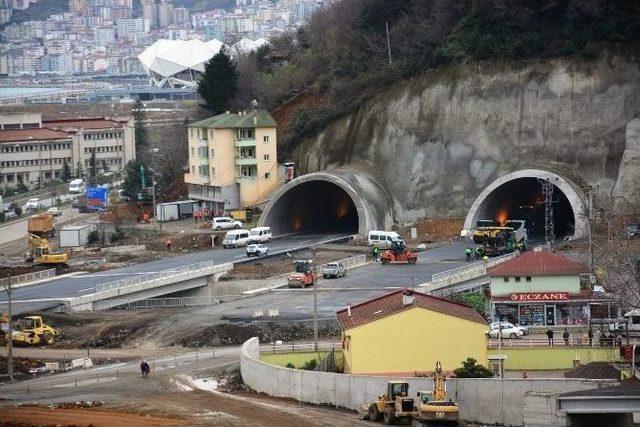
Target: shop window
[517,278]
[528,278]
[506,279]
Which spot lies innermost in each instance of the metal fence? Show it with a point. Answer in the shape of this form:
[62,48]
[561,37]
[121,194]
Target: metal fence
[29,277]
[183,273]
[293,347]
[471,271]
[559,342]
[172,302]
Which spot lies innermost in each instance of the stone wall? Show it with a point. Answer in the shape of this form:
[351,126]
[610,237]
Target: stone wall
[439,139]
[489,401]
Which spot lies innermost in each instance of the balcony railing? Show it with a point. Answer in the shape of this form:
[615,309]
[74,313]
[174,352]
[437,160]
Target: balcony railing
[246,160]
[245,142]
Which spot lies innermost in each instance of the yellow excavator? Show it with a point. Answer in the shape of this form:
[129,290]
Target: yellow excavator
[40,252]
[435,407]
[33,331]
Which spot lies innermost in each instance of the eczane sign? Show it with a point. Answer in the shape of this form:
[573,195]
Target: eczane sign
[540,296]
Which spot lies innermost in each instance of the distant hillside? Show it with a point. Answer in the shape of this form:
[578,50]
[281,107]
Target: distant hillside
[40,11]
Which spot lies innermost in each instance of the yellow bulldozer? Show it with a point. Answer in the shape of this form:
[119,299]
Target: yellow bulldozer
[434,406]
[392,406]
[40,252]
[32,331]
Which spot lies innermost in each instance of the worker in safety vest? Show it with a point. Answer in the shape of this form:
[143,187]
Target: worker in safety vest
[374,253]
[478,252]
[468,251]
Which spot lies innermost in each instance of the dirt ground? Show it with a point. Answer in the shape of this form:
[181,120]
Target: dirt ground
[432,230]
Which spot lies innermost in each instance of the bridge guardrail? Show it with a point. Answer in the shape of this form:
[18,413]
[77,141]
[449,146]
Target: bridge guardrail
[29,277]
[193,270]
[172,302]
[468,272]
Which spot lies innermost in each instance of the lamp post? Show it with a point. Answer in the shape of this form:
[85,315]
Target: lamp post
[315,302]
[153,186]
[53,203]
[7,288]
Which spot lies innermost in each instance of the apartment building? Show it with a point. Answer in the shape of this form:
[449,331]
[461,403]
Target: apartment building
[33,151]
[232,160]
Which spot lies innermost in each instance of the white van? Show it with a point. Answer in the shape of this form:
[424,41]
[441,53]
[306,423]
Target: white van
[260,234]
[76,186]
[382,239]
[633,320]
[235,238]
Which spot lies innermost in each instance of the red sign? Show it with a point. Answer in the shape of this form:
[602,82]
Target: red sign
[541,296]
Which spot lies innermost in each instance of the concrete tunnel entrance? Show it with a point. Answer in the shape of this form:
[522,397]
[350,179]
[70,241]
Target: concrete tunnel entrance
[519,196]
[339,201]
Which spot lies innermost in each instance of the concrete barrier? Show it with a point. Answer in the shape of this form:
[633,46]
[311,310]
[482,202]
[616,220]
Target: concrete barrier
[482,400]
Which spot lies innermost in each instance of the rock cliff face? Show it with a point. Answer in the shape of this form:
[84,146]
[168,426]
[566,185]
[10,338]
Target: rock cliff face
[436,141]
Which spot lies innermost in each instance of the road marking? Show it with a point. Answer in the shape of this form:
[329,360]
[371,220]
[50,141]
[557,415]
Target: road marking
[88,289]
[116,274]
[239,256]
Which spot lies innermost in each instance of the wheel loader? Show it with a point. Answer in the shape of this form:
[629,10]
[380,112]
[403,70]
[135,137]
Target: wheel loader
[33,331]
[392,406]
[434,406]
[398,254]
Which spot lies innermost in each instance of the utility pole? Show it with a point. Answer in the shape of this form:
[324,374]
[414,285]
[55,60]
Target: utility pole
[388,41]
[547,192]
[315,302]
[7,288]
[53,203]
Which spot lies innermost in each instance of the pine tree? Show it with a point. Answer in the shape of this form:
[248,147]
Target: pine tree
[92,168]
[65,175]
[79,171]
[142,145]
[218,85]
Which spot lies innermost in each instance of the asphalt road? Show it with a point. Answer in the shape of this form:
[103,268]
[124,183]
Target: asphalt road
[70,287]
[360,284]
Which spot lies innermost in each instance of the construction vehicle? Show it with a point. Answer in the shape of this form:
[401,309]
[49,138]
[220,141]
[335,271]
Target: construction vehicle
[33,331]
[41,225]
[495,240]
[392,406]
[304,274]
[398,254]
[434,406]
[40,252]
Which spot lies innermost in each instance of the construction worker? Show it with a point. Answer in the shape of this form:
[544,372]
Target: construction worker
[468,251]
[485,259]
[375,251]
[478,252]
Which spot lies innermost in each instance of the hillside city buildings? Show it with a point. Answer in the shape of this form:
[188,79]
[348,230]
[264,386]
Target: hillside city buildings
[32,151]
[105,37]
[232,160]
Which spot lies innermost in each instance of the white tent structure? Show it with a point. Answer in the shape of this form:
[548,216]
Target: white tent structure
[177,63]
[245,46]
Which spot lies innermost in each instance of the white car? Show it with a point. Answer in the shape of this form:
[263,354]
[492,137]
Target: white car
[257,250]
[509,330]
[53,210]
[225,223]
[33,204]
[525,329]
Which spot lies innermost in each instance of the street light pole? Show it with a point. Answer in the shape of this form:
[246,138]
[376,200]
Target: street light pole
[53,203]
[153,183]
[315,303]
[7,288]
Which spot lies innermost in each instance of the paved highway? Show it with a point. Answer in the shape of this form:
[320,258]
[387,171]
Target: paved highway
[70,287]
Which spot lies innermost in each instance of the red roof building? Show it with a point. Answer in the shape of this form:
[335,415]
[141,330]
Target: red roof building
[538,263]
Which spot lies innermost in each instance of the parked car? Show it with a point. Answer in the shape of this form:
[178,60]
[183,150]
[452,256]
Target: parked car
[509,330]
[53,210]
[334,269]
[225,223]
[33,204]
[525,328]
[257,250]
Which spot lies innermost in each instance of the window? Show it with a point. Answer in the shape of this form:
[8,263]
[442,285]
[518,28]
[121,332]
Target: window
[265,139]
[528,278]
[191,133]
[245,133]
[267,175]
[517,279]
[506,279]
[193,169]
[213,171]
[266,157]
[212,153]
[193,152]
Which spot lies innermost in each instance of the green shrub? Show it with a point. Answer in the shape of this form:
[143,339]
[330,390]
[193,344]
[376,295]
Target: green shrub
[117,236]
[290,365]
[18,210]
[470,369]
[311,365]
[94,237]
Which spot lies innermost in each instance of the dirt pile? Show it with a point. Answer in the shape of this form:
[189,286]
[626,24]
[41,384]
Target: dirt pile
[17,271]
[236,334]
[434,230]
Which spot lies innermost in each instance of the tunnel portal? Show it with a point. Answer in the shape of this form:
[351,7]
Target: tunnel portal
[522,199]
[314,206]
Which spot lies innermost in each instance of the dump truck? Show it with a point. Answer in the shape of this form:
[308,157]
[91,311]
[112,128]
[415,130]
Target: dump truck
[304,274]
[40,252]
[33,331]
[495,240]
[41,225]
[434,406]
[398,254]
[393,406]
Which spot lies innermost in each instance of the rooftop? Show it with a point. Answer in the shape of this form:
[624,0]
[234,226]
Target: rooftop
[29,135]
[252,119]
[538,263]
[393,303]
[83,123]
[595,371]
[630,387]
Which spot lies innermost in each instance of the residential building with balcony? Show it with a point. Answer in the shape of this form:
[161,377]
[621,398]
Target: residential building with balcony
[232,160]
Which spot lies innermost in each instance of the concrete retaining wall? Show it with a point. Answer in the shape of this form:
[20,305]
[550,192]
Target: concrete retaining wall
[490,401]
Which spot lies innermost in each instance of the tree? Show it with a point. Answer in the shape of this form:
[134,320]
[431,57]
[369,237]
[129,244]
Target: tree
[65,175]
[92,168]
[142,145]
[477,300]
[470,369]
[218,84]
[135,178]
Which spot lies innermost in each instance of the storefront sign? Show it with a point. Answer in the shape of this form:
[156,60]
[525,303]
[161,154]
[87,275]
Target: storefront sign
[541,296]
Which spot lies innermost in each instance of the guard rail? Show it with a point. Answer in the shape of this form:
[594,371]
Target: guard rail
[29,277]
[472,271]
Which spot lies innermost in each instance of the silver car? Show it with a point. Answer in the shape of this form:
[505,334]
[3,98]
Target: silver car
[334,269]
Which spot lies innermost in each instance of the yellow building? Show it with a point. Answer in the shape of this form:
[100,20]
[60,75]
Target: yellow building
[405,333]
[232,160]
